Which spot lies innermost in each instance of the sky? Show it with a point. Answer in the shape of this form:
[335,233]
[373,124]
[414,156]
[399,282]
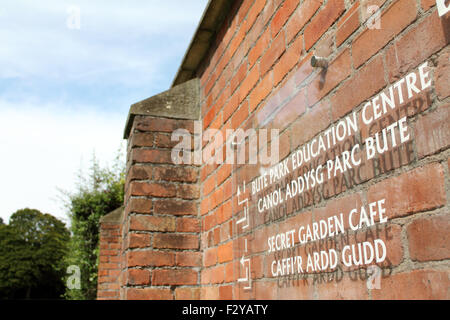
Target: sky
[69,71]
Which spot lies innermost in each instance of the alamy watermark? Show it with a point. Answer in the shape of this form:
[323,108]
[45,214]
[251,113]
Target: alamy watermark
[252,146]
[74,280]
[73,21]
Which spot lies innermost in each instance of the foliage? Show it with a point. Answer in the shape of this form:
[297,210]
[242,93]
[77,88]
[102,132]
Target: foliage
[98,193]
[32,250]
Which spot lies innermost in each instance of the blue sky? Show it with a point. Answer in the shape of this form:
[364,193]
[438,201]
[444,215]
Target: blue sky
[65,91]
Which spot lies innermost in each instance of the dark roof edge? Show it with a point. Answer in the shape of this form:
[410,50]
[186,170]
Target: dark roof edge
[214,15]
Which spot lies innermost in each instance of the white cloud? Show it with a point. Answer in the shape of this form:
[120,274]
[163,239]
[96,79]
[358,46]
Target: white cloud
[136,39]
[43,148]
[65,93]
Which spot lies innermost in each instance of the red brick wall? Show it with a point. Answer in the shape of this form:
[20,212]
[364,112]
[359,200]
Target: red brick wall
[109,265]
[161,257]
[180,237]
[259,71]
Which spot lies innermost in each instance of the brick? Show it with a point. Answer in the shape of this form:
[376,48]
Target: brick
[416,284]
[260,46]
[209,185]
[107,295]
[250,80]
[140,173]
[442,75]
[235,42]
[228,110]
[151,156]
[149,294]
[179,174]
[152,223]
[145,123]
[223,173]
[229,271]
[284,144]
[174,277]
[188,259]
[218,274]
[209,222]
[288,60]
[163,140]
[139,205]
[139,240]
[243,10]
[142,139]
[325,81]
[297,289]
[348,24]
[208,118]
[239,76]
[300,17]
[206,276]
[188,225]
[239,116]
[304,69]
[432,131]
[409,107]
[138,277]
[367,81]
[210,257]
[205,205]
[175,241]
[253,13]
[396,18]
[424,187]
[177,208]
[152,189]
[184,293]
[226,292]
[417,45]
[310,123]
[109,252]
[428,238]
[342,205]
[281,16]
[216,236]
[217,197]
[291,111]
[391,235]
[225,252]
[344,289]
[226,231]
[266,290]
[227,190]
[261,91]
[276,49]
[209,292]
[188,191]
[149,258]
[427,4]
[322,21]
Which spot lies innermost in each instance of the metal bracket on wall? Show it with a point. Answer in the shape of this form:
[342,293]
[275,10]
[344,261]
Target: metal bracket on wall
[319,62]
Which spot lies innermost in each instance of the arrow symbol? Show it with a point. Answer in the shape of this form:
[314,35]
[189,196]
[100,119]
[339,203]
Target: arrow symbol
[246,217]
[442,8]
[247,278]
[239,193]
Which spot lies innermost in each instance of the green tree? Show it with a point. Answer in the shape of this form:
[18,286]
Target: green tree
[32,251]
[98,193]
